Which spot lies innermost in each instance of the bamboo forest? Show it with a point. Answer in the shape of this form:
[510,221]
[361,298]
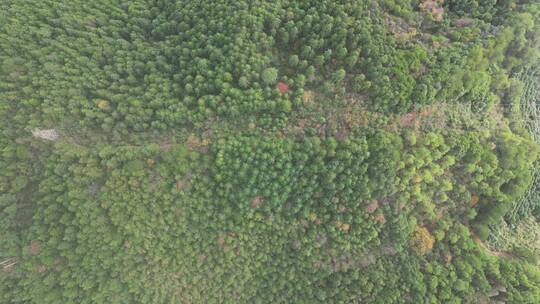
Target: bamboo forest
[251,151]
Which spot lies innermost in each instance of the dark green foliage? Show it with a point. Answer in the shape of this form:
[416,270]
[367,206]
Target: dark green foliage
[256,207]
[263,151]
[482,9]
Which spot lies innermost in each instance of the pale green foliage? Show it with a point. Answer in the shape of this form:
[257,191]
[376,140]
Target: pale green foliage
[269,75]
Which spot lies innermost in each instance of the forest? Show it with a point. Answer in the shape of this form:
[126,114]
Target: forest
[250,151]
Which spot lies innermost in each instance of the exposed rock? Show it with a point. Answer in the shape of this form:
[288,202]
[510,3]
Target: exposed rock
[49,134]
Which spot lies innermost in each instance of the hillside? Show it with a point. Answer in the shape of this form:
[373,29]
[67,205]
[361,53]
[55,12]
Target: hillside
[325,151]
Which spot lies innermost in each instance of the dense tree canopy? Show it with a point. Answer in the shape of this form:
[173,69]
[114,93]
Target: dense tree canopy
[269,151]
